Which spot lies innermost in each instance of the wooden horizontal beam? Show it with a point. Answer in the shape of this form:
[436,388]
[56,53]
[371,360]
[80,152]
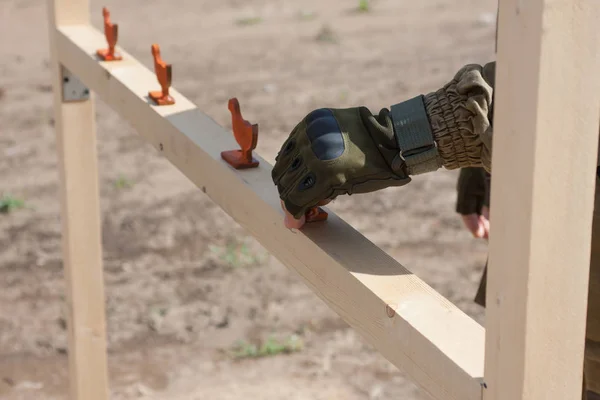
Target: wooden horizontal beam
[438,346]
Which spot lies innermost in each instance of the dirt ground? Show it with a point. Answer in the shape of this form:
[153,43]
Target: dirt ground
[184,283]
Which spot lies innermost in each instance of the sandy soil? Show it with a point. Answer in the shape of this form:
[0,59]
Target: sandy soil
[183,281]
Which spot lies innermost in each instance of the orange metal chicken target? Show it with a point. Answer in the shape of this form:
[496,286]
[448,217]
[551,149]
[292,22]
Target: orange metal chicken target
[246,135]
[164,74]
[316,214]
[111,32]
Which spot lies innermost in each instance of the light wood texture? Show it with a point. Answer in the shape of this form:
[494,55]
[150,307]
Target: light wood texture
[544,163]
[436,344]
[82,250]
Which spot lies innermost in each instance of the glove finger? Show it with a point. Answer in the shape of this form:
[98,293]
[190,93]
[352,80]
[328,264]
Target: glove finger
[289,221]
[286,155]
[291,175]
[302,194]
[296,210]
[297,206]
[290,137]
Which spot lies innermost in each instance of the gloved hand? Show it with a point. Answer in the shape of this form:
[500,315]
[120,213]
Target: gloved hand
[346,151]
[473,200]
[337,151]
[472,191]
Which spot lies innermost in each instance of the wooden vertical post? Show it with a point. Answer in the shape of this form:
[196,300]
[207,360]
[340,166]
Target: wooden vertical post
[544,164]
[82,249]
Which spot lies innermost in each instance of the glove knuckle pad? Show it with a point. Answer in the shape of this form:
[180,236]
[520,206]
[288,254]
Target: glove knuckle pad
[324,134]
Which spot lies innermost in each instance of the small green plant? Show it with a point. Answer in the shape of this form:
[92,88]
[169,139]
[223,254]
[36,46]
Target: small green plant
[9,203]
[236,254]
[248,21]
[123,183]
[270,347]
[156,317]
[363,5]
[344,95]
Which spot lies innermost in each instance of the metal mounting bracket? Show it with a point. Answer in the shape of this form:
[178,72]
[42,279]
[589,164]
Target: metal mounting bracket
[72,88]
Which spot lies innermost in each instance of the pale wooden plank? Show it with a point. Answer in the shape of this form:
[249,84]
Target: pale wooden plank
[545,148]
[436,344]
[82,250]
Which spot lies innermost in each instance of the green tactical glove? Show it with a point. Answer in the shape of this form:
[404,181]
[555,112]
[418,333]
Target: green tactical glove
[332,152]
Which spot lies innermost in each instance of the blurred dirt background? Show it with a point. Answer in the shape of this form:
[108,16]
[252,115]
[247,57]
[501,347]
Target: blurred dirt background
[188,292]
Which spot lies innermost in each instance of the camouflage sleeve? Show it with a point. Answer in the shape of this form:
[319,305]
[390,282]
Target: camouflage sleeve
[460,116]
[471,191]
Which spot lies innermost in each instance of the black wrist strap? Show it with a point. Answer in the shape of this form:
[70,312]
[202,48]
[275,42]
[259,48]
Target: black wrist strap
[414,136]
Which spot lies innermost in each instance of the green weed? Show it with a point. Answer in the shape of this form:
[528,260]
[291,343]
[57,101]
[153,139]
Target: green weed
[363,6]
[270,347]
[9,203]
[123,183]
[248,21]
[344,94]
[236,254]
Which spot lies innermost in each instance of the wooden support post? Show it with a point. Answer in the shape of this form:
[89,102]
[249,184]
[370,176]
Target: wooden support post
[544,164]
[82,249]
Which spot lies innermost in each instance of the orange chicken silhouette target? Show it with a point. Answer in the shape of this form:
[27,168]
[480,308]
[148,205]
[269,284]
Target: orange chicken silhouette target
[315,214]
[246,135]
[111,32]
[164,74]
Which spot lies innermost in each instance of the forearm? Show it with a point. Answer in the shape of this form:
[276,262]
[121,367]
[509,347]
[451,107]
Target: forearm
[460,115]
